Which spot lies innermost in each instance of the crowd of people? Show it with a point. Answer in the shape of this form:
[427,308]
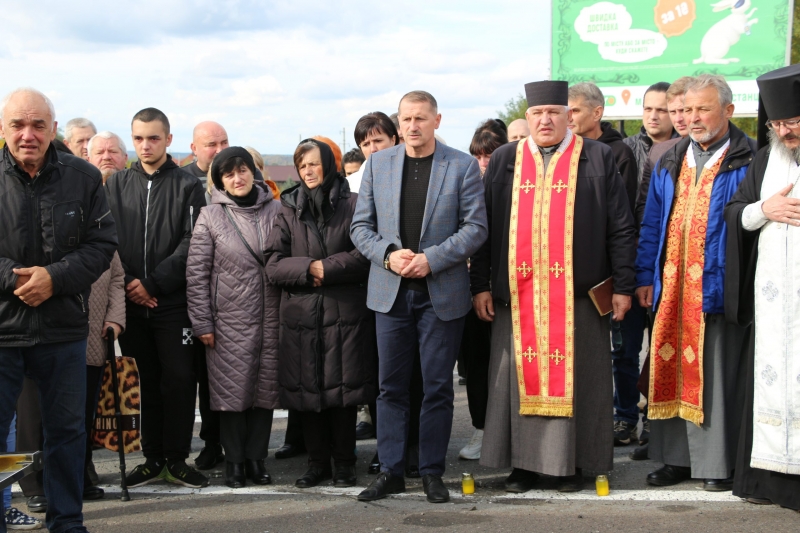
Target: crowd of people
[536,262]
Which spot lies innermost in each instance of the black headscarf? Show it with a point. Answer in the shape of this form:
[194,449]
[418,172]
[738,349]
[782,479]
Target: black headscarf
[319,198]
[221,158]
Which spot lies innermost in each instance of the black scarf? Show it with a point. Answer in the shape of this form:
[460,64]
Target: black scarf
[248,200]
[319,198]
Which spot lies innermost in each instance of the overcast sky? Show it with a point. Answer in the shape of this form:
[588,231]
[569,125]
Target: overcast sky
[271,71]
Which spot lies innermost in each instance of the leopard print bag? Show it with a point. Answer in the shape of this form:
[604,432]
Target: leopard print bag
[105,426]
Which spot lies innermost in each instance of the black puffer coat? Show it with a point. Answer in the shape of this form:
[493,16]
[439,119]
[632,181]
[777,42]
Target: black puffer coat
[327,348]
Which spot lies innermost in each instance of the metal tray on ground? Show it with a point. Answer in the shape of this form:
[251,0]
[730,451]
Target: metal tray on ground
[15,466]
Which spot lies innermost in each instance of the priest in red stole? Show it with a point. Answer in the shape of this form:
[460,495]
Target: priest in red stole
[559,224]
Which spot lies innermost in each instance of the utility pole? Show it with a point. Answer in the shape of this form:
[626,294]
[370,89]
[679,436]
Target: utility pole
[344,143]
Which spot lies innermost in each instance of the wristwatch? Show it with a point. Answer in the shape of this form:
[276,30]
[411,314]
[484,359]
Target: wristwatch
[386,259]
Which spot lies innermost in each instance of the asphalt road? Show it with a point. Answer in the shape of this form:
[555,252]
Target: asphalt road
[631,507]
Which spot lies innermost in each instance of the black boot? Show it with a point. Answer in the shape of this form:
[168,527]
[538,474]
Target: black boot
[344,476]
[234,475]
[257,472]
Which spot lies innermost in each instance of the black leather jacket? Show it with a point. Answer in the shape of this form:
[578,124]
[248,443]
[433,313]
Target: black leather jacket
[59,220]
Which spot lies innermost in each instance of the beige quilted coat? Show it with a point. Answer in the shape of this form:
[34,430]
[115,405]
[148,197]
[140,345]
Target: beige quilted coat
[106,304]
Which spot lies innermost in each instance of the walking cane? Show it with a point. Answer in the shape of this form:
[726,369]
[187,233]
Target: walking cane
[112,360]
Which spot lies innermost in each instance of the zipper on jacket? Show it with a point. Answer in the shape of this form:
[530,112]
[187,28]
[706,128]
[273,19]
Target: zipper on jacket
[97,221]
[262,272]
[191,219]
[83,307]
[33,212]
[146,216]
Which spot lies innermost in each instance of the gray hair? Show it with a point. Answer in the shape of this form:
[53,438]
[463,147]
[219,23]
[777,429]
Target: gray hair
[79,122]
[420,96]
[716,81]
[104,135]
[590,93]
[29,90]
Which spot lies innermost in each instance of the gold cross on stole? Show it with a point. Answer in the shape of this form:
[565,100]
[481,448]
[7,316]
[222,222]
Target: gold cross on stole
[527,186]
[560,186]
[556,270]
[524,269]
[557,356]
[529,354]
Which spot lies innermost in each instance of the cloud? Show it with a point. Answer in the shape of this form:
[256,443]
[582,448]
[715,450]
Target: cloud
[271,71]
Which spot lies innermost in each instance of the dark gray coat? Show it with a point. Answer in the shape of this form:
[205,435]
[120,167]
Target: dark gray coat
[327,340]
[230,296]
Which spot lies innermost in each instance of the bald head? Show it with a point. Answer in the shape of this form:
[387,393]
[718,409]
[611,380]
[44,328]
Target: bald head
[518,129]
[208,139]
[27,123]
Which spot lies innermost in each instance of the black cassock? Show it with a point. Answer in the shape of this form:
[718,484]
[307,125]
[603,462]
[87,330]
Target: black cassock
[740,271]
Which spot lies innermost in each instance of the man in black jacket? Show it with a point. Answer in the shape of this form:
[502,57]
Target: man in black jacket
[155,205]
[587,105]
[57,238]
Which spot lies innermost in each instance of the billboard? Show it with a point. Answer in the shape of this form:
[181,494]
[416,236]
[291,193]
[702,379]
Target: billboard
[624,46]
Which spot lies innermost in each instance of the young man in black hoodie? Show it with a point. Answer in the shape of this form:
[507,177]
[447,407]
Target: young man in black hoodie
[155,205]
[588,104]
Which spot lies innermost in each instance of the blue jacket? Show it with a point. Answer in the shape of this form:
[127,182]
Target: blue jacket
[453,228]
[650,255]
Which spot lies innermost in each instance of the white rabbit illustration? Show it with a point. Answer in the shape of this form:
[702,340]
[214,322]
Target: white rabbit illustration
[721,36]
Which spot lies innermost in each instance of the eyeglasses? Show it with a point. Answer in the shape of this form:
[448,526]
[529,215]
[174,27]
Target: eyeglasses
[775,125]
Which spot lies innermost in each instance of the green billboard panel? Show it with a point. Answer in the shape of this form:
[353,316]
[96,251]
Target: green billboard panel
[624,46]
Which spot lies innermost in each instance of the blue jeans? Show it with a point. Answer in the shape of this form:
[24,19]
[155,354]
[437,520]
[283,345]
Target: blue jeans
[11,442]
[59,371]
[412,324]
[625,362]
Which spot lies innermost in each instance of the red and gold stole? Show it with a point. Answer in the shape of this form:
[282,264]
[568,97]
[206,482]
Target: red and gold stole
[676,362]
[540,278]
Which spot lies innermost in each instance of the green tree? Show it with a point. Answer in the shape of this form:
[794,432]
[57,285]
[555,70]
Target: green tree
[515,108]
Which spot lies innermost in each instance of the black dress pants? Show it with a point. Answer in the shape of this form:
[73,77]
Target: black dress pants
[245,435]
[476,345]
[331,433]
[294,429]
[209,420]
[164,349]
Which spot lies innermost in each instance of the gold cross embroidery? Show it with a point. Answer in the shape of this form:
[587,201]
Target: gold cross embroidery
[527,186]
[529,354]
[557,270]
[557,356]
[524,269]
[560,186]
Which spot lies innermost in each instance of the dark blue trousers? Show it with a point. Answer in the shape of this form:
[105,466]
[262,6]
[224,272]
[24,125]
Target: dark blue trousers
[627,339]
[412,324]
[59,371]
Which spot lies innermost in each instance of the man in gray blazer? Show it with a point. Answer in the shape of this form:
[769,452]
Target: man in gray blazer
[419,217]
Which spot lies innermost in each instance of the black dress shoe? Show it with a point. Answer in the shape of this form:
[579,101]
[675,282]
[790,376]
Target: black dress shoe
[521,480]
[288,451]
[383,485]
[37,504]
[93,492]
[257,472]
[364,431]
[344,476]
[434,488]
[571,483]
[640,453]
[669,475]
[374,466]
[234,475]
[313,477]
[718,485]
[209,457]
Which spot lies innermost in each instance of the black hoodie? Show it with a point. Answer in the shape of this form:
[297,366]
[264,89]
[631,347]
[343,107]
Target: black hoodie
[155,215]
[625,158]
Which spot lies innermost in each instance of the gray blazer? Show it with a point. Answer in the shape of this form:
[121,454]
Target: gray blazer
[453,227]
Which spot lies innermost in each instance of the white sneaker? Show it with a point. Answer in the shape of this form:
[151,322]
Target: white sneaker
[472,450]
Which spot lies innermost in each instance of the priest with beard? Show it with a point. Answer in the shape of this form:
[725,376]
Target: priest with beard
[763,288]
[696,378]
[559,225]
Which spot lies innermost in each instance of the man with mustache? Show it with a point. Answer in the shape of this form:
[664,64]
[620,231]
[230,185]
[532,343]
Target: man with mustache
[694,400]
[763,288]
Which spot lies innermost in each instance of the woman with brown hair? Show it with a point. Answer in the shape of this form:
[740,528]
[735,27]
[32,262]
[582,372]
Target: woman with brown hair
[327,338]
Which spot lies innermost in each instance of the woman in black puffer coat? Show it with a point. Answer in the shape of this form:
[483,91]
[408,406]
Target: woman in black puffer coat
[327,348]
